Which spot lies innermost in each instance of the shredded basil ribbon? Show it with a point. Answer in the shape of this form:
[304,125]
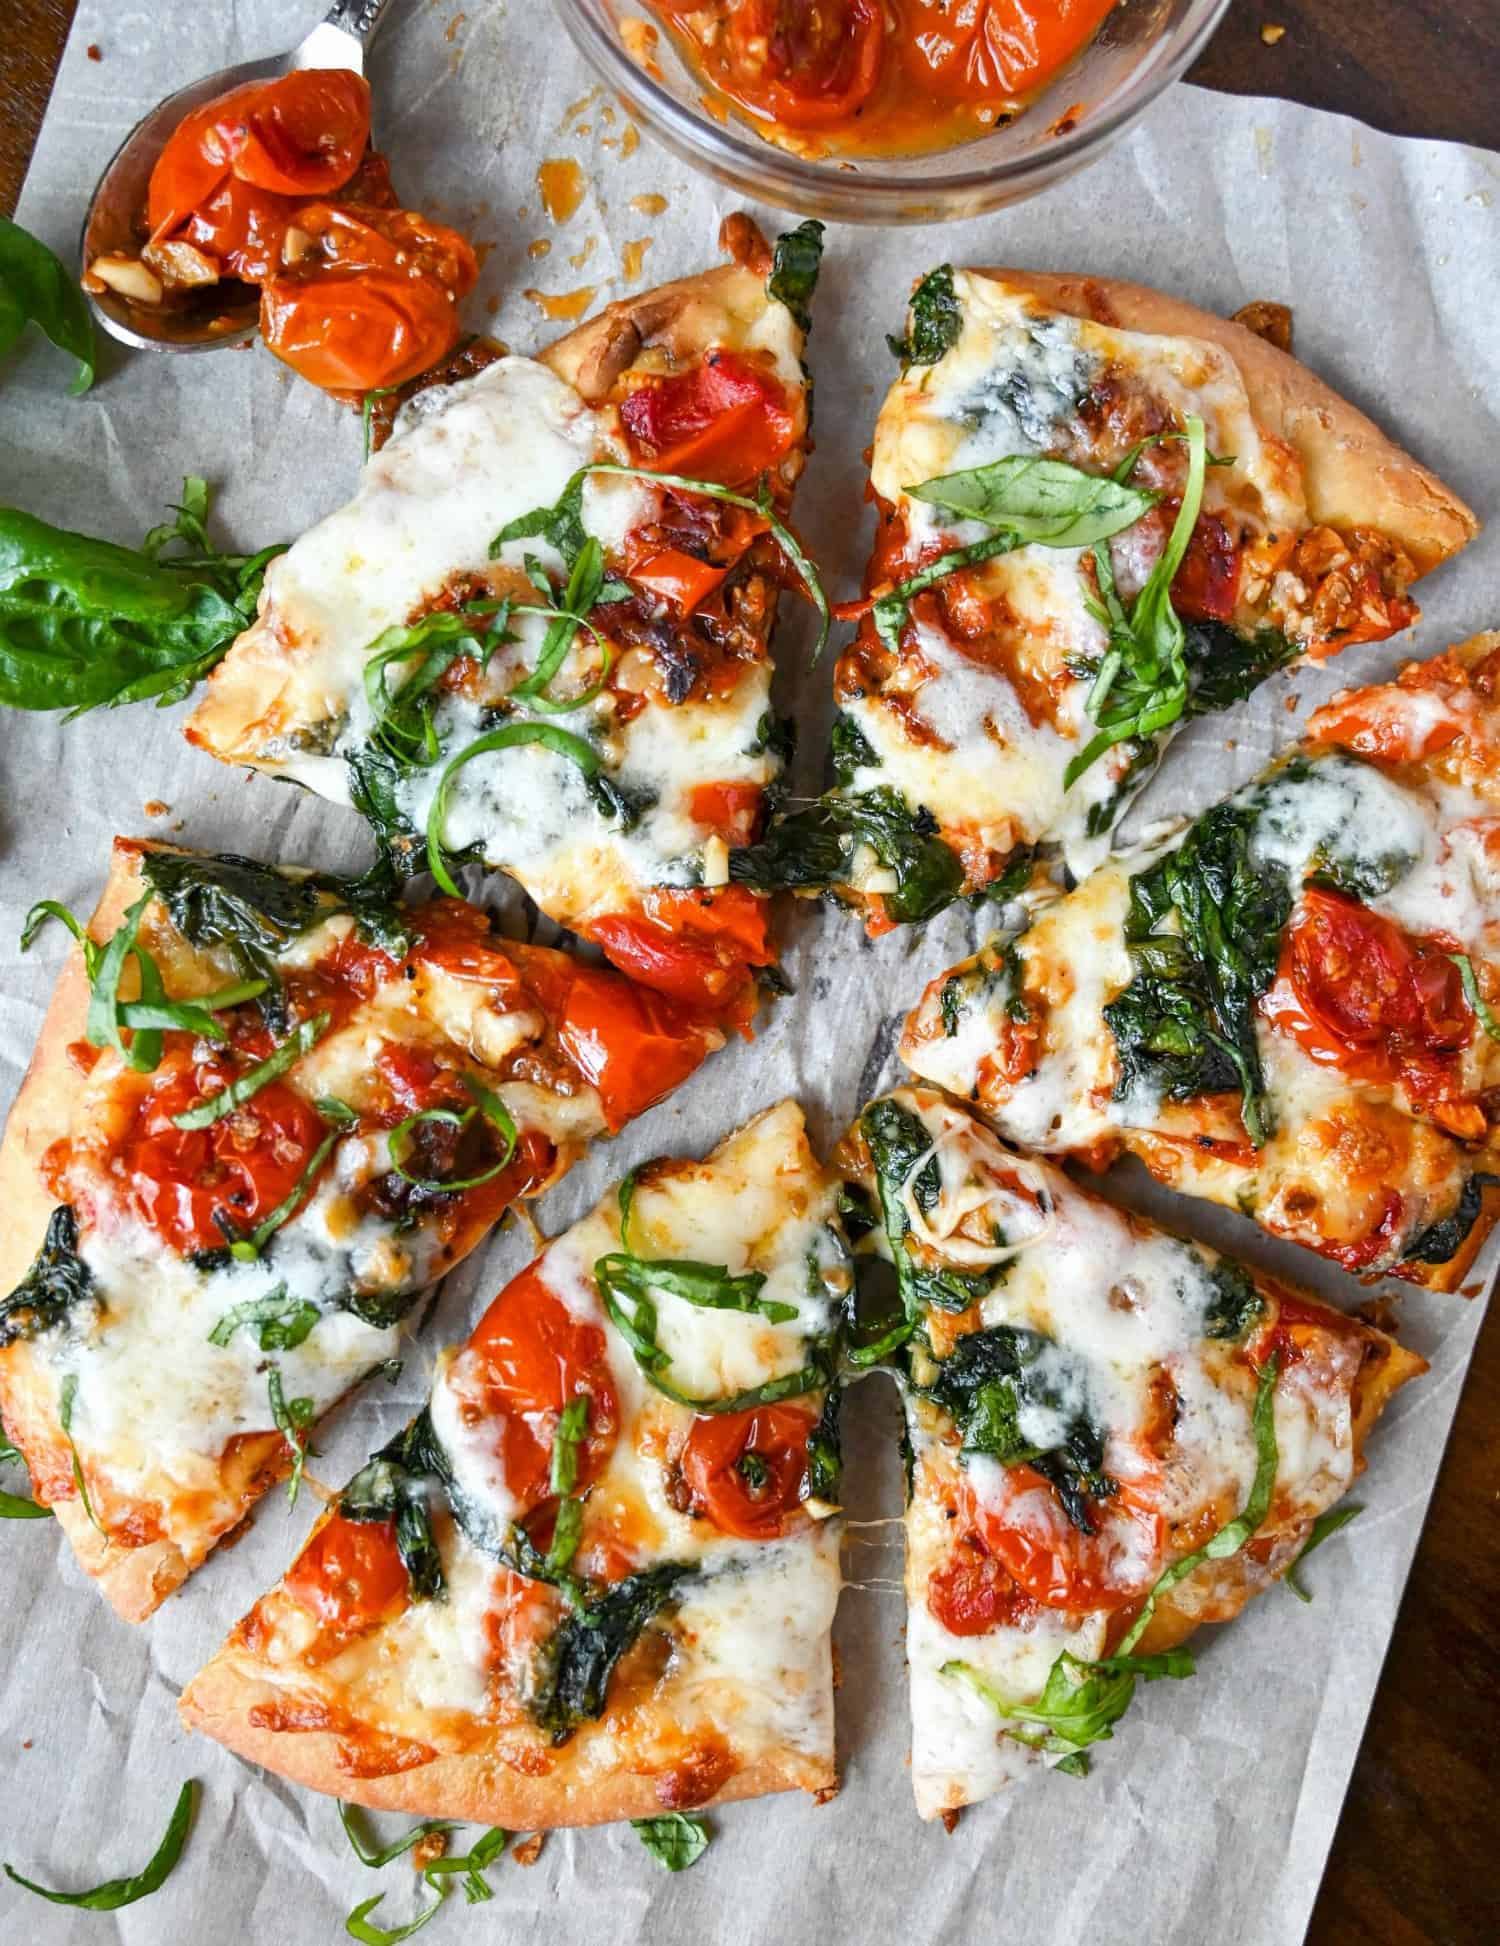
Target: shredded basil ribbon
[240,1090]
[1475,998]
[561,742]
[626,1282]
[65,1419]
[342,1117]
[292,1418]
[1323,1528]
[116,1892]
[494,1111]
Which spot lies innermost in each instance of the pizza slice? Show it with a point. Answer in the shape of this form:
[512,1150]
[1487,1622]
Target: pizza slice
[1102,511]
[1115,1436]
[594,1579]
[267,1111]
[539,634]
[1290,1006]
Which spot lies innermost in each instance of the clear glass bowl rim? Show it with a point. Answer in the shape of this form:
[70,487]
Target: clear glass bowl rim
[885,191]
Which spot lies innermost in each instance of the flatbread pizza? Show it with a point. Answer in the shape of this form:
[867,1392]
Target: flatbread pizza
[267,1111]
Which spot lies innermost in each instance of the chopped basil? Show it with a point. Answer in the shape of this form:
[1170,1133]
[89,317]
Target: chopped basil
[1141,684]
[284,1321]
[572,1430]
[1324,1528]
[117,1892]
[247,1249]
[358,1925]
[301,1041]
[392,1486]
[36,287]
[486,1103]
[561,742]
[1474,997]
[1441,1241]
[352,1820]
[402,721]
[1234,1304]
[575,1665]
[472,1863]
[674,1840]
[292,1418]
[65,1401]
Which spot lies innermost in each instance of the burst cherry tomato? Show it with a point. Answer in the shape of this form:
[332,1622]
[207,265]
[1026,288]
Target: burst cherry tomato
[971,1593]
[726,420]
[374,303]
[633,1045]
[242,228]
[300,136]
[748,1470]
[976,50]
[350,1575]
[1056,1563]
[732,810]
[679,578]
[528,1358]
[695,945]
[1364,980]
[243,1166]
[802,65]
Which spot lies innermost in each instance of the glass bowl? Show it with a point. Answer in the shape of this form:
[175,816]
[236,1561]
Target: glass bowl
[1142,46]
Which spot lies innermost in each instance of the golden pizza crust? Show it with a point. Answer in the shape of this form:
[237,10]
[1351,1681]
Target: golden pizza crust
[476,1787]
[1353,475]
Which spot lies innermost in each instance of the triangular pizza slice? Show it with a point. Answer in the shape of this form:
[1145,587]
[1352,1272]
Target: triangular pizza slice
[539,634]
[267,1111]
[595,1578]
[1102,511]
[1291,1005]
[1115,1435]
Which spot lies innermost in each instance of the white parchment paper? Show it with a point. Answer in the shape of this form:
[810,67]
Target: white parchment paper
[1210,1815]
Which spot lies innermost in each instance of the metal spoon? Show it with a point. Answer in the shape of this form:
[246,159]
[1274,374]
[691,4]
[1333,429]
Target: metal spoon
[109,229]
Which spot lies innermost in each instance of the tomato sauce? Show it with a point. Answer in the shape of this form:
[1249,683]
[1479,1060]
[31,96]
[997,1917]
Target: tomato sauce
[274,184]
[880,77]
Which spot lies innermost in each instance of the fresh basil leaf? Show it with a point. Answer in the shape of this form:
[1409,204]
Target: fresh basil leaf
[85,624]
[117,1892]
[1081,1702]
[935,320]
[1324,1528]
[795,263]
[36,288]
[561,526]
[352,1819]
[674,1840]
[302,1040]
[358,1925]
[1141,685]
[1042,502]
[57,1280]
[284,1321]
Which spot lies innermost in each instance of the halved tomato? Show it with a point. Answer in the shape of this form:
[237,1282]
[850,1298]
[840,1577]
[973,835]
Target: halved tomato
[633,1045]
[727,421]
[350,1575]
[696,944]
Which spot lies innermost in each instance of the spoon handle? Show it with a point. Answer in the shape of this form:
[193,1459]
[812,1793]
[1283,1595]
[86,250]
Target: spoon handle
[357,18]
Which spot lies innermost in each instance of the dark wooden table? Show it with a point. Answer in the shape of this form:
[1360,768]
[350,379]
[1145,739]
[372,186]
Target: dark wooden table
[1417,1856]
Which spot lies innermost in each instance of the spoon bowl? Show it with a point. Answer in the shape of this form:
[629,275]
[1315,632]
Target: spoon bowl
[112,226]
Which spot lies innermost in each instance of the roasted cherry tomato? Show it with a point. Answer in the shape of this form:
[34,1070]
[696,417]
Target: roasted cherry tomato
[633,1045]
[748,1470]
[300,136]
[695,945]
[350,1575]
[373,303]
[971,1593]
[1207,585]
[458,938]
[806,66]
[1056,1563]
[726,420]
[242,228]
[1370,985]
[679,578]
[528,1358]
[732,810]
[242,1166]
[1389,723]
[976,50]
